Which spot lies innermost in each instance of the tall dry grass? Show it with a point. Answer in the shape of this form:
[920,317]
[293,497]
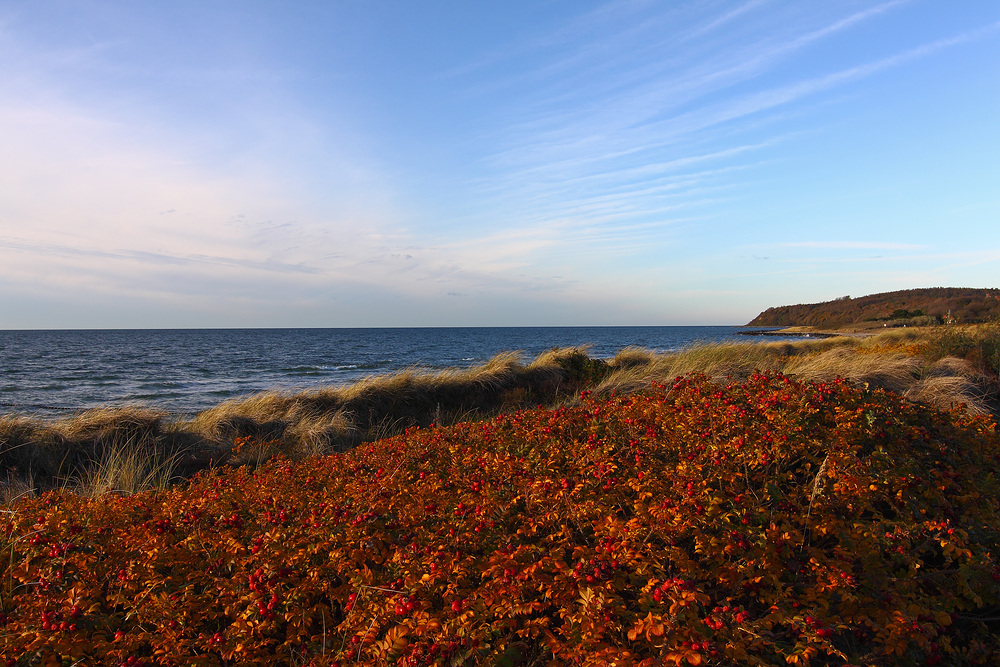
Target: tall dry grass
[128,467]
[949,382]
[896,372]
[337,418]
[124,448]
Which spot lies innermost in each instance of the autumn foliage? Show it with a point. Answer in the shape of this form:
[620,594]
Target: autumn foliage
[764,522]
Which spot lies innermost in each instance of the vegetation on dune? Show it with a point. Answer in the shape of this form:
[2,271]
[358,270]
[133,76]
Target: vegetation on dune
[913,306]
[341,417]
[41,455]
[764,521]
[944,366]
[127,448]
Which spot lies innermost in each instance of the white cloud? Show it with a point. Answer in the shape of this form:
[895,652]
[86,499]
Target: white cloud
[96,216]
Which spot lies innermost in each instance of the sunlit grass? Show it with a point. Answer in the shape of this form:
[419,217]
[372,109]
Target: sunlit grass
[895,360]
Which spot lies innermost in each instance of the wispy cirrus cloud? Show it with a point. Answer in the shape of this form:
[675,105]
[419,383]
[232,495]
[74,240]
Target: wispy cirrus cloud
[602,166]
[623,136]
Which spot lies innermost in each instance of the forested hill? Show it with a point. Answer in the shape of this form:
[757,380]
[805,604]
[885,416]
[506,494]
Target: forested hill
[921,306]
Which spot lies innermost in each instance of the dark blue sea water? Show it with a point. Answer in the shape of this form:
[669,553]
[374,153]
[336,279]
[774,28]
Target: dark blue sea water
[184,371]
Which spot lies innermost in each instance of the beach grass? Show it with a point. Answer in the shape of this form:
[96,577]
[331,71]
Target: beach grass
[128,466]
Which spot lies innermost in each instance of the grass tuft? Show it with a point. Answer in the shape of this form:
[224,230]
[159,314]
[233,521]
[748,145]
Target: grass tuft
[129,466]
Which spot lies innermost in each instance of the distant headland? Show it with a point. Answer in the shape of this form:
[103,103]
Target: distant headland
[912,307]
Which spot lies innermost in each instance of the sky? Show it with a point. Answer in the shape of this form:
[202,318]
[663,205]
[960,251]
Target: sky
[442,163]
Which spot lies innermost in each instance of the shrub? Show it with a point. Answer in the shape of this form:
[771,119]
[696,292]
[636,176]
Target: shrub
[979,345]
[762,522]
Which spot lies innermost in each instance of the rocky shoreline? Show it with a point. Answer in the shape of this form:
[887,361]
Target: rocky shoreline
[807,332]
[785,333]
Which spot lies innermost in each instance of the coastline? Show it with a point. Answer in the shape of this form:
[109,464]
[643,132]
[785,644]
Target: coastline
[814,332]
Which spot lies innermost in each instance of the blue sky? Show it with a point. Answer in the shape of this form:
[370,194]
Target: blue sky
[190,164]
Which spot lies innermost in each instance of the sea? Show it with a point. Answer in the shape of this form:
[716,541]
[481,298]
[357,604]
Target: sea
[53,373]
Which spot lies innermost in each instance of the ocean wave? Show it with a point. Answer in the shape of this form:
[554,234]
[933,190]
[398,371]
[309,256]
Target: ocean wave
[316,370]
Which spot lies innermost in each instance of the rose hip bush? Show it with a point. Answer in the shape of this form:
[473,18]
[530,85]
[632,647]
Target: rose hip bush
[763,522]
